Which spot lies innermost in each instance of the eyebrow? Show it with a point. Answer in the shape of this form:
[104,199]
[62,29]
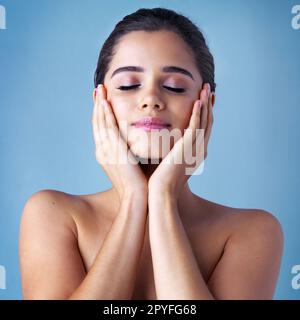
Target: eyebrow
[166,69]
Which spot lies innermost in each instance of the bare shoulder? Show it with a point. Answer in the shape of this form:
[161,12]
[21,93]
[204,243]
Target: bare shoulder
[250,262]
[48,245]
[237,221]
[257,222]
[259,229]
[53,205]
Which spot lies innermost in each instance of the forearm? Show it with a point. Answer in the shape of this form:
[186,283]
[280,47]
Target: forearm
[176,272]
[113,273]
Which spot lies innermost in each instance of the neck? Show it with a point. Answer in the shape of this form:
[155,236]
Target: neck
[185,195]
[148,168]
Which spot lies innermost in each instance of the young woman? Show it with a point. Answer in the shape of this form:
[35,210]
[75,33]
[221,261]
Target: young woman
[149,236]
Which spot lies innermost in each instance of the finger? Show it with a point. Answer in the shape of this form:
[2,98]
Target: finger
[210,123]
[199,145]
[195,117]
[204,111]
[190,132]
[185,146]
[208,102]
[112,130]
[109,115]
[101,115]
[198,142]
[111,126]
[99,98]
[203,116]
[95,124]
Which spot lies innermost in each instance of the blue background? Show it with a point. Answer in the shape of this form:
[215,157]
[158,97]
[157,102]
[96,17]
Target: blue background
[48,55]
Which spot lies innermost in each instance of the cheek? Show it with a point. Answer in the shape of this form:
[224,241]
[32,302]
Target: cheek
[121,110]
[122,115]
[119,105]
[182,119]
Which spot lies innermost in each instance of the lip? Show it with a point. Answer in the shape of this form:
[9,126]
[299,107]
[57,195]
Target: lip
[151,123]
[150,127]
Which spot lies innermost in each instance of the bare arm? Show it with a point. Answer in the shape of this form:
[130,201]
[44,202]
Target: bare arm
[176,272]
[51,265]
[113,273]
[248,269]
[250,264]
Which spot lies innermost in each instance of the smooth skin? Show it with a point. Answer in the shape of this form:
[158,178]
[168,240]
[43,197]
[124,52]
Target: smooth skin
[149,236]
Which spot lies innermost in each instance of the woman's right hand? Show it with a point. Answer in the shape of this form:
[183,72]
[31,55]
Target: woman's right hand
[126,176]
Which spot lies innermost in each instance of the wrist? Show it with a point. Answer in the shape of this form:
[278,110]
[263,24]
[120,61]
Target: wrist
[136,195]
[161,195]
[160,190]
[161,201]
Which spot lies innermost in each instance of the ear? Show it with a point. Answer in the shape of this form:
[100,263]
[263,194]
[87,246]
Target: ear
[213,98]
[94,94]
[103,92]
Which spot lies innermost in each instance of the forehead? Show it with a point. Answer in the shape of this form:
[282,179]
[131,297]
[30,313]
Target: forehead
[150,49]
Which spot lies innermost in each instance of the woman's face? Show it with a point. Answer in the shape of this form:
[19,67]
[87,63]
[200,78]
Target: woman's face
[167,94]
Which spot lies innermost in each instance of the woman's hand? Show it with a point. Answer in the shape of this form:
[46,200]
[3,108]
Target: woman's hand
[171,174]
[112,151]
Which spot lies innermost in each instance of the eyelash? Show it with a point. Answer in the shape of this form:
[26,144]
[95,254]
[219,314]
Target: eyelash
[178,90]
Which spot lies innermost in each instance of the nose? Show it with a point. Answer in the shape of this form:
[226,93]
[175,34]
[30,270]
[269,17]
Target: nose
[151,101]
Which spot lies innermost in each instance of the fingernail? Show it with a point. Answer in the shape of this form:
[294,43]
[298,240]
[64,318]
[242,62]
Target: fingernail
[207,89]
[199,104]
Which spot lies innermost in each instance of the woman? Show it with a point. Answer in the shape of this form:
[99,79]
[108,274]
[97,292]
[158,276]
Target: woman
[149,236]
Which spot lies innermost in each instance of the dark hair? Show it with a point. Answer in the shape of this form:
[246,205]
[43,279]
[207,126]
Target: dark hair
[154,20]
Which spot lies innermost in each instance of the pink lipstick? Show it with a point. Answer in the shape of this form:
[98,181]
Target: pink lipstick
[151,123]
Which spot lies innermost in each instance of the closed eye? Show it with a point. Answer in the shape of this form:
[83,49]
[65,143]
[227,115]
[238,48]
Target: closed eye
[128,87]
[124,88]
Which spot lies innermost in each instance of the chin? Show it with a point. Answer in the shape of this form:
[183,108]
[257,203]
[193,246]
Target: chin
[148,155]
[153,146]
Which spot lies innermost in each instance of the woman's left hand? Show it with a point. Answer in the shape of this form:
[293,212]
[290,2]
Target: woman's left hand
[171,175]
